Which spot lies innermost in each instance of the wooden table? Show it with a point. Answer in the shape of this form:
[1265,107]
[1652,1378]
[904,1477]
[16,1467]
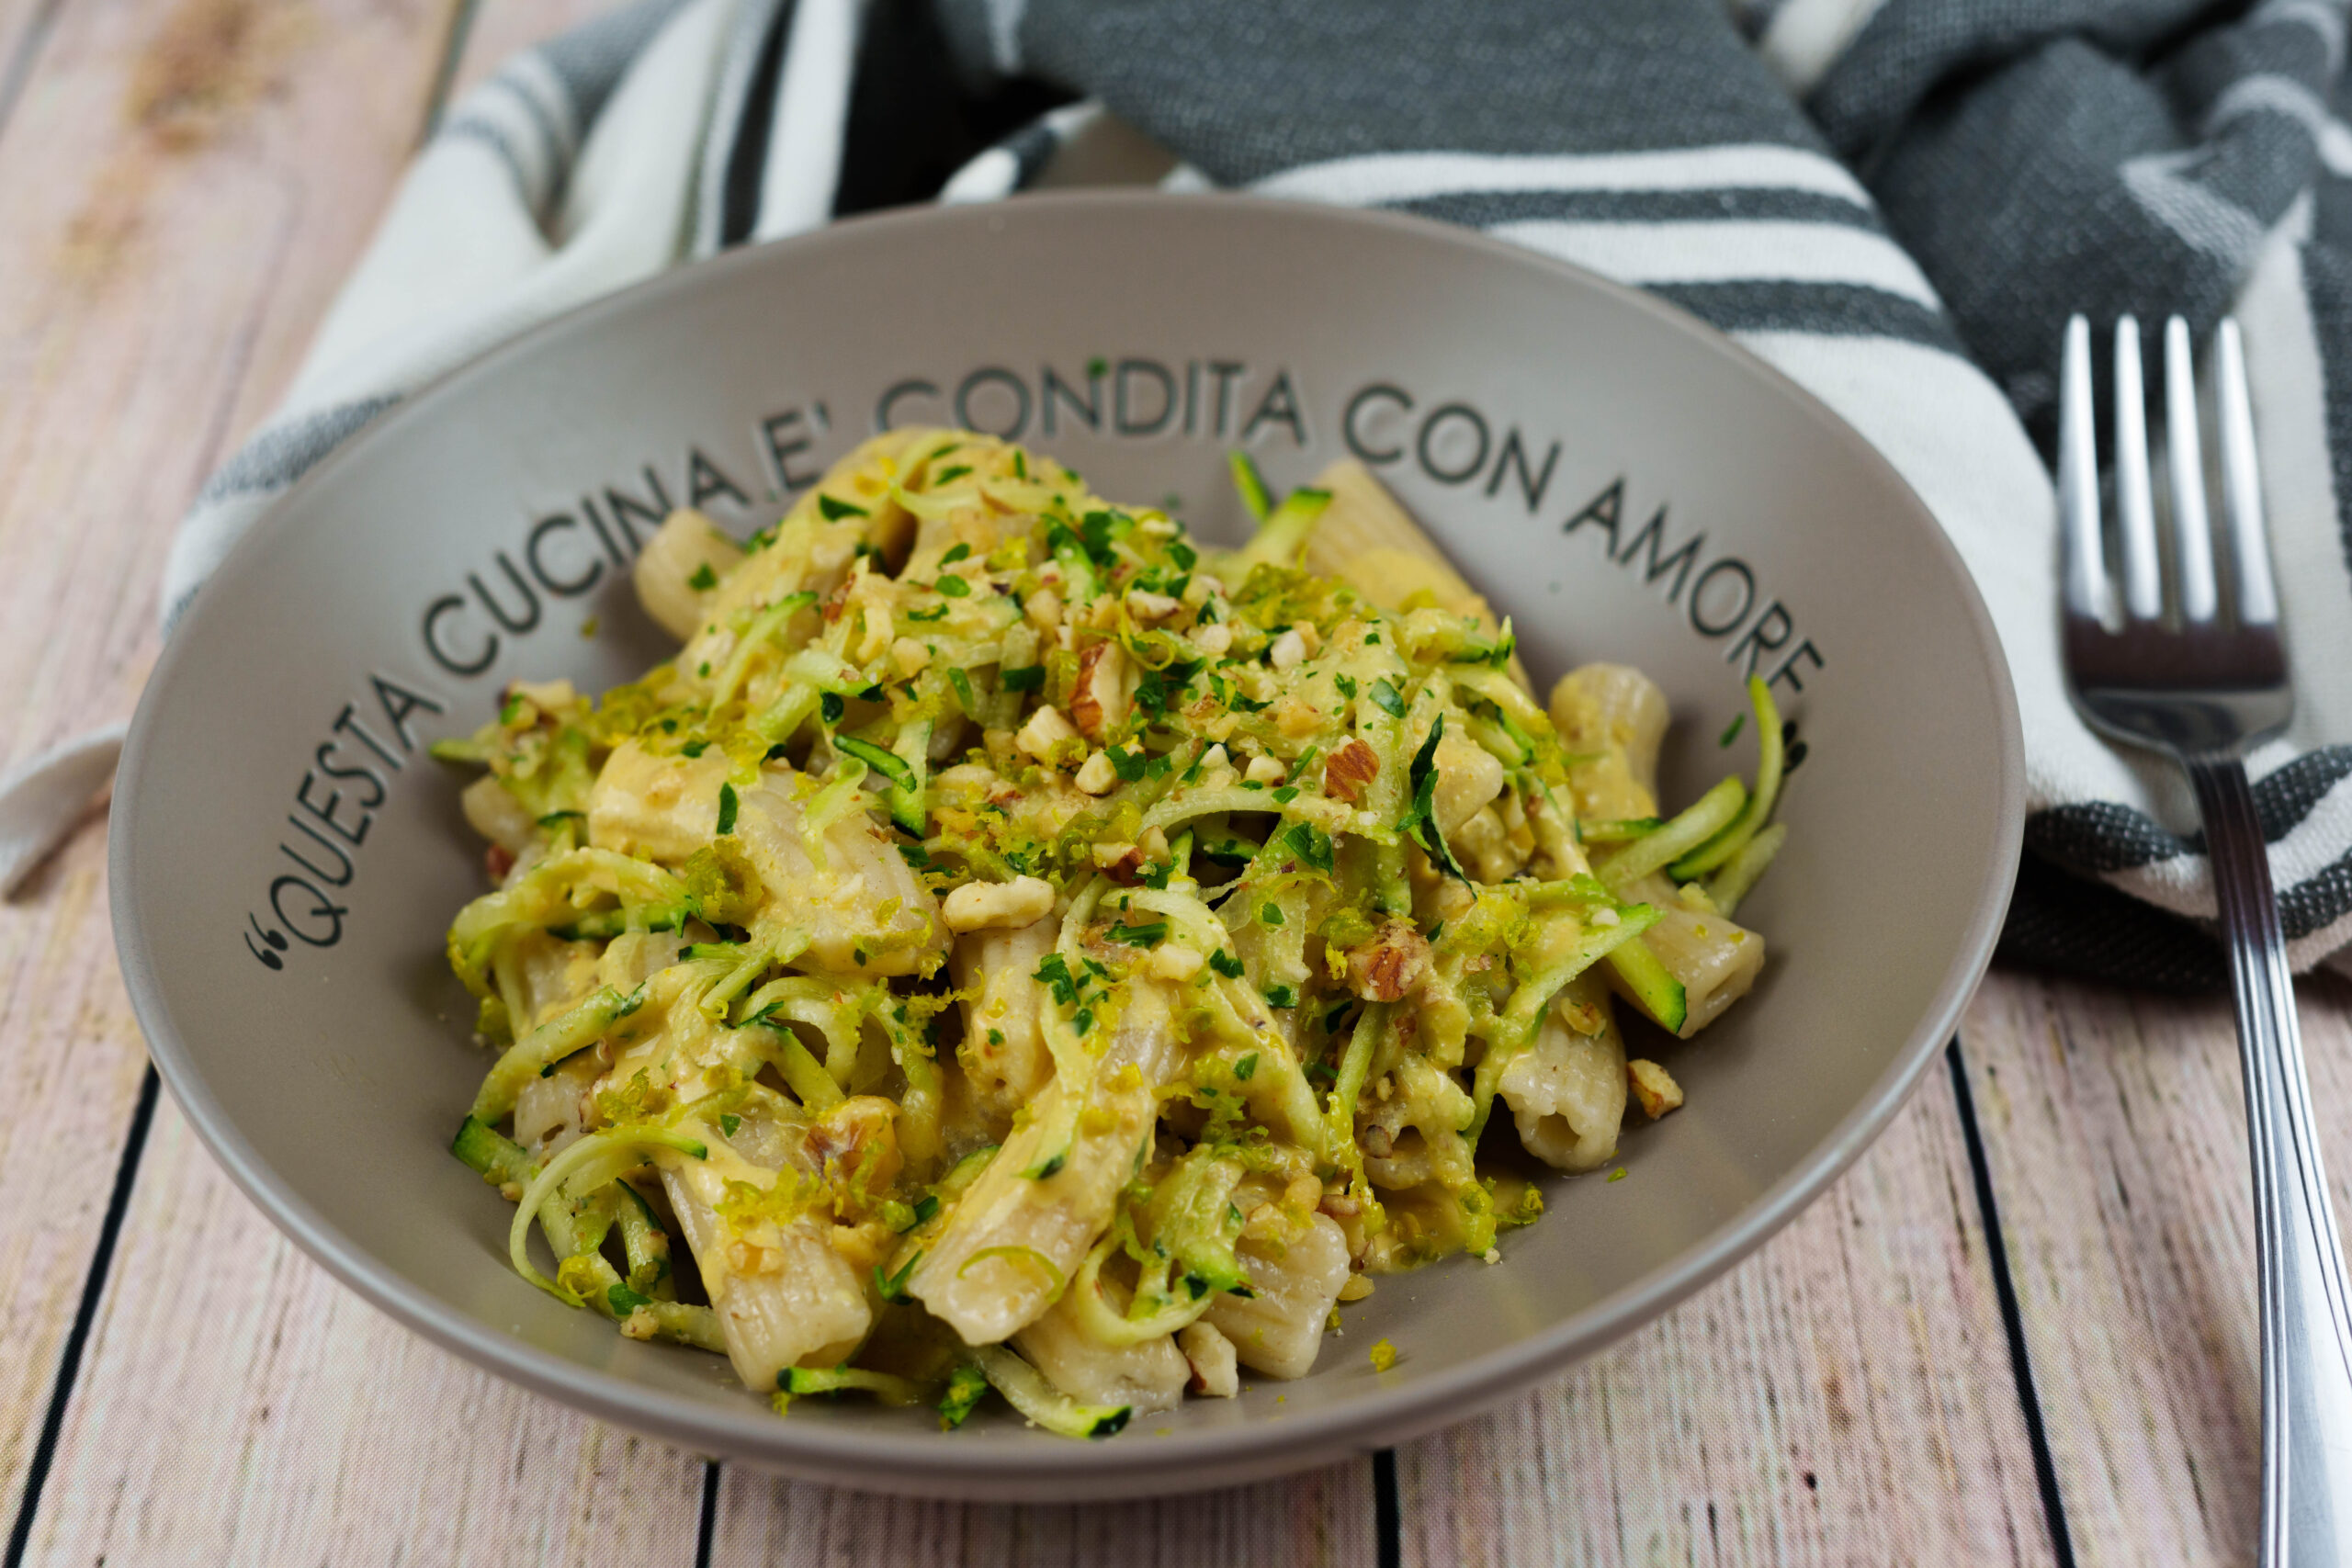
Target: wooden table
[2021,1330]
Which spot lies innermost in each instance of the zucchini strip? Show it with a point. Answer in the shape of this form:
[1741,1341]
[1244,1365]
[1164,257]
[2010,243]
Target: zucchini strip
[1769,759]
[1042,1402]
[889,1390]
[1282,534]
[1732,884]
[1250,483]
[537,1051]
[1658,993]
[496,1158]
[610,1153]
[1709,814]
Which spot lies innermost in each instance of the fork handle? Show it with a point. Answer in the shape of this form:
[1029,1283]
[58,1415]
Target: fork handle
[2306,1314]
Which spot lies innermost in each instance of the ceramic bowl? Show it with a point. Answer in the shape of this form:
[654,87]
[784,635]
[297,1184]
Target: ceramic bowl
[1623,481]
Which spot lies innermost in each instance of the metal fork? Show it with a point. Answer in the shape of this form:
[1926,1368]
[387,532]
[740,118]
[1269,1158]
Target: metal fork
[2199,679]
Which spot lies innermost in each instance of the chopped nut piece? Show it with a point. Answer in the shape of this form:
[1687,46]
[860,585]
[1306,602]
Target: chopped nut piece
[1216,640]
[1173,961]
[1289,650]
[1296,716]
[1045,733]
[1044,609]
[1106,686]
[1654,1087]
[1356,1289]
[1391,964]
[1151,608]
[1266,771]
[998,906]
[1216,1368]
[1216,757]
[1347,770]
[1122,864]
[1096,775]
[909,656]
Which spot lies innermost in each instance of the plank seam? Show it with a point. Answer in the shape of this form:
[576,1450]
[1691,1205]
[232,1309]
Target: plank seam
[708,1528]
[94,1284]
[1387,1513]
[2045,1469]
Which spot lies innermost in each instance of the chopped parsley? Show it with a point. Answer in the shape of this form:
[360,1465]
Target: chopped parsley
[1026,678]
[1246,1068]
[953,587]
[1314,847]
[704,580]
[727,807]
[1281,996]
[1226,963]
[1420,817]
[832,707]
[835,510]
[1384,698]
[893,1287]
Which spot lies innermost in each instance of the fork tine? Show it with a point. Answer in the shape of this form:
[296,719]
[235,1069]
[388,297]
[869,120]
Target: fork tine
[2086,561]
[2241,484]
[2192,528]
[2135,515]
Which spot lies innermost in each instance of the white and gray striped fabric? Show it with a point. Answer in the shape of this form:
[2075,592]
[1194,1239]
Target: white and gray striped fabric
[1897,202]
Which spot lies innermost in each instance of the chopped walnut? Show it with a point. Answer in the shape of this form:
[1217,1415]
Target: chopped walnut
[1106,684]
[1347,770]
[1654,1087]
[1046,735]
[1391,964]
[1122,864]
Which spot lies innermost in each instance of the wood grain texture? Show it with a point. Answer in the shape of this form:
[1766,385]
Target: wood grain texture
[240,1406]
[182,180]
[1322,1519]
[70,1067]
[1842,1397]
[2117,1132]
[186,181]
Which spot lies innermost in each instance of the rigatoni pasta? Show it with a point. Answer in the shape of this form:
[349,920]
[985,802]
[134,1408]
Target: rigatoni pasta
[1011,946]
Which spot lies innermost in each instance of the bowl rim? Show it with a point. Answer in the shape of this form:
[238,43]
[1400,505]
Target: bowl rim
[915,1461]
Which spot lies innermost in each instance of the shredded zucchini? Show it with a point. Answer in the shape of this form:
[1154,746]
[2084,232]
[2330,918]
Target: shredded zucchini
[1008,934]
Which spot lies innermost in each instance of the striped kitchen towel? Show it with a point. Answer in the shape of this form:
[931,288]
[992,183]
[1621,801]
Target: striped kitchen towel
[1896,202]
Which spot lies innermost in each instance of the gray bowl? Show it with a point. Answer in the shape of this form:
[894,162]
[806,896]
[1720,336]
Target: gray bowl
[1626,483]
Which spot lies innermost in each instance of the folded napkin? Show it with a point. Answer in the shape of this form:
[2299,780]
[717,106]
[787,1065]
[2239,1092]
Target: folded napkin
[1896,202]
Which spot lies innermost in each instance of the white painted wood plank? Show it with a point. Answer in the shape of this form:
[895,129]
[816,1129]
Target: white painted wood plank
[239,1405]
[2117,1131]
[182,180]
[1842,1397]
[1321,1519]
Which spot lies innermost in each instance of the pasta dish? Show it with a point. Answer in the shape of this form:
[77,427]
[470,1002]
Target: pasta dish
[1011,946]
